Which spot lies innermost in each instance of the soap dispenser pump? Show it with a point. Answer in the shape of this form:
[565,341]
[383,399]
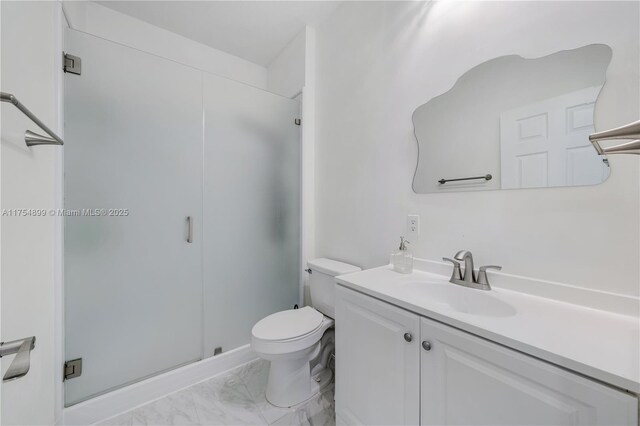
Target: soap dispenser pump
[402,260]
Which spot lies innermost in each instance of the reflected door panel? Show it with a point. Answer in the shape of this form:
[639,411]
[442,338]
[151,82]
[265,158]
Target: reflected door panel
[546,143]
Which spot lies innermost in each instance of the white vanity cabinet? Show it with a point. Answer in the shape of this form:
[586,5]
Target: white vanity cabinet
[377,362]
[442,375]
[469,380]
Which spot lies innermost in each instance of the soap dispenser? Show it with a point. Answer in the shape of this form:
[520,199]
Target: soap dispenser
[402,260]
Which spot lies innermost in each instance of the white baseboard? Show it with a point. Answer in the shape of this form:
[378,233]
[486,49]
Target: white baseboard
[122,400]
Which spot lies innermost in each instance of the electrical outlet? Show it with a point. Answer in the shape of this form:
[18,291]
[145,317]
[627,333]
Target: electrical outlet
[413,226]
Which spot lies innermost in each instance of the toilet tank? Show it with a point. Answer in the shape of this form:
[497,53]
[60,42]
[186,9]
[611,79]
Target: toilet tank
[322,282]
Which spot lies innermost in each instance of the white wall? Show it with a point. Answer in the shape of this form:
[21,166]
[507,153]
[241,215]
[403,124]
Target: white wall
[285,74]
[30,70]
[103,22]
[377,61]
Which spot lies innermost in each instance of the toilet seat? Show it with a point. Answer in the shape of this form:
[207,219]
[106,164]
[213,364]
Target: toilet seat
[288,325]
[289,332]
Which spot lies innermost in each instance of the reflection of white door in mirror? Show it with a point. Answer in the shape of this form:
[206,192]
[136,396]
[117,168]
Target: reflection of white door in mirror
[546,143]
[546,106]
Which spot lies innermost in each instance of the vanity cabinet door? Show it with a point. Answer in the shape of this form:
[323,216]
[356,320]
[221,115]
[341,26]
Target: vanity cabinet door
[469,380]
[377,362]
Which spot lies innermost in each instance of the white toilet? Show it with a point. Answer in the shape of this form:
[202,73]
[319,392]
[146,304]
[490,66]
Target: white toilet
[299,342]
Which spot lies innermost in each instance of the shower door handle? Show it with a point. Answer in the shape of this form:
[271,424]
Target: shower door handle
[189,229]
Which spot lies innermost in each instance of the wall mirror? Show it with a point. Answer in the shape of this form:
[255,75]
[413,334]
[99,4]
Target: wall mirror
[514,122]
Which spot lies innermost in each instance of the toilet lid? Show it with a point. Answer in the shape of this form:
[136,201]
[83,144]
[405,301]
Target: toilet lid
[289,324]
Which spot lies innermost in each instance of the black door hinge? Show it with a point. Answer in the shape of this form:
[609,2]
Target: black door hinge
[72,64]
[73,369]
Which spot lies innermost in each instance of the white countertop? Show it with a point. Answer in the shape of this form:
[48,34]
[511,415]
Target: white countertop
[595,343]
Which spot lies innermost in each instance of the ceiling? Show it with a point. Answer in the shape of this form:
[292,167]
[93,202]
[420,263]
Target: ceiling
[253,30]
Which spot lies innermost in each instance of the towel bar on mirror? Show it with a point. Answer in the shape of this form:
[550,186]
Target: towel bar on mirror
[30,137]
[485,177]
[629,131]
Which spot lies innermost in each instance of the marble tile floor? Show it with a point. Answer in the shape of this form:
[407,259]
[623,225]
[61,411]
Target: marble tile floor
[233,398]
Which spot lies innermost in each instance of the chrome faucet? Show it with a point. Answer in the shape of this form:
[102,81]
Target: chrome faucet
[469,278]
[467,257]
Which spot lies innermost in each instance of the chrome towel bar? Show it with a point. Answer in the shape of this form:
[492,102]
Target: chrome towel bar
[630,131]
[31,138]
[20,365]
[485,177]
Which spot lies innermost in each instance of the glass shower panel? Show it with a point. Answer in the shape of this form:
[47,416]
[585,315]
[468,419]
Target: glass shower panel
[251,205]
[133,284]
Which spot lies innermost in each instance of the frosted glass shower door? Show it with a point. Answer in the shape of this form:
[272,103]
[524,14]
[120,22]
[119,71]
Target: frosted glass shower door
[133,283]
[251,209]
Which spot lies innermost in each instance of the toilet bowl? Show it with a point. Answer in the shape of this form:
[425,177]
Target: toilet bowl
[299,343]
[290,340]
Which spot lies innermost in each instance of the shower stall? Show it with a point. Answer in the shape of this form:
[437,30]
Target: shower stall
[182,204]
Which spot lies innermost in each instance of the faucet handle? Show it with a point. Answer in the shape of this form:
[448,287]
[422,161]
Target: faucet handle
[482,273]
[457,273]
[496,267]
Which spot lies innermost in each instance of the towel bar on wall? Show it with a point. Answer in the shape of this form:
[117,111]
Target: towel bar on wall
[30,137]
[630,131]
[19,367]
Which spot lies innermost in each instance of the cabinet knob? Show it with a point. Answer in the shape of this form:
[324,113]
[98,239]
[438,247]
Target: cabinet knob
[408,337]
[426,345]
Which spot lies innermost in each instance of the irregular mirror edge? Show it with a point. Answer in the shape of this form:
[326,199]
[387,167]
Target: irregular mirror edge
[455,190]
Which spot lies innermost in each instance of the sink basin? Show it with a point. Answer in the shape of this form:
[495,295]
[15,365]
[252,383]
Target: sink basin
[458,298]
